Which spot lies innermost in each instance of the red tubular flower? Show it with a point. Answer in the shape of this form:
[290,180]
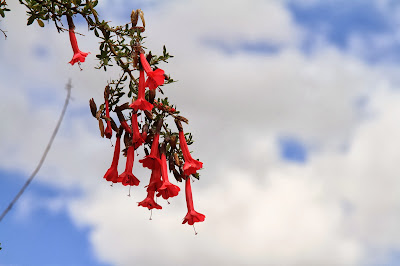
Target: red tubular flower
[155,180]
[149,201]
[192,216]
[191,165]
[141,103]
[137,138]
[167,190]
[154,184]
[112,172]
[108,131]
[79,56]
[152,160]
[127,177]
[155,78]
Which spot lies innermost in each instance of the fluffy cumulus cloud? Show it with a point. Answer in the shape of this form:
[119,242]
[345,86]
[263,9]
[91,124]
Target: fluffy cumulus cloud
[340,207]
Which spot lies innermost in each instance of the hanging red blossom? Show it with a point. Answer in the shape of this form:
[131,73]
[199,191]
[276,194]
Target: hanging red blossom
[154,184]
[112,172]
[167,190]
[155,180]
[141,103]
[149,201]
[155,78]
[127,177]
[152,160]
[192,216]
[191,165]
[79,56]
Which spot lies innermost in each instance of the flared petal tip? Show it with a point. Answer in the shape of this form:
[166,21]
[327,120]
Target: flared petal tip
[193,217]
[150,162]
[141,104]
[168,191]
[192,166]
[155,79]
[78,57]
[111,174]
[128,179]
[150,204]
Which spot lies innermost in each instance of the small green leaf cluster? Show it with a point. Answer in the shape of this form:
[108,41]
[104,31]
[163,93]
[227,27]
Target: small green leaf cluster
[3,8]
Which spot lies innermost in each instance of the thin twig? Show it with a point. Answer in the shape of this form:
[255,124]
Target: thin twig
[4,32]
[68,87]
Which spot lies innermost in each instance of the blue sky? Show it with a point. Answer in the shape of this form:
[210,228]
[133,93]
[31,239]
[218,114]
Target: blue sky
[339,21]
[40,237]
[294,72]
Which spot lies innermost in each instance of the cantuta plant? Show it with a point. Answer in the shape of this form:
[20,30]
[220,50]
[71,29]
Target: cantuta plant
[142,81]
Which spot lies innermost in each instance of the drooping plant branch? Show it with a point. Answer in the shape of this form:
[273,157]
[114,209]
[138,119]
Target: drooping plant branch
[123,46]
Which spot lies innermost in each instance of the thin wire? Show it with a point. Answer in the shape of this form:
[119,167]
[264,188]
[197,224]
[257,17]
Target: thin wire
[68,88]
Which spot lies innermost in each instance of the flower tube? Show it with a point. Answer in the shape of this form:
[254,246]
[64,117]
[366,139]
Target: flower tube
[79,56]
[137,138]
[152,160]
[141,103]
[112,172]
[192,216]
[154,184]
[191,165]
[127,177]
[167,190]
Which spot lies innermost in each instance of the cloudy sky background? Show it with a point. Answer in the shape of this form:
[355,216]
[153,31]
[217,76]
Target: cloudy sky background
[294,107]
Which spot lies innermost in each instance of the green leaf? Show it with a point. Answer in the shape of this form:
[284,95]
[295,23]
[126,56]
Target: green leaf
[30,20]
[41,24]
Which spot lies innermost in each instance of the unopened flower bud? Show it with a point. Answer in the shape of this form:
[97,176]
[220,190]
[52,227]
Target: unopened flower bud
[148,57]
[106,92]
[152,95]
[159,125]
[101,127]
[176,159]
[134,17]
[93,107]
[178,124]
[181,118]
[171,163]
[172,141]
[113,125]
[177,176]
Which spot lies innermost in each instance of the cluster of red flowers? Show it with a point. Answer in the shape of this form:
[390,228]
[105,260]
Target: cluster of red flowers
[156,160]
